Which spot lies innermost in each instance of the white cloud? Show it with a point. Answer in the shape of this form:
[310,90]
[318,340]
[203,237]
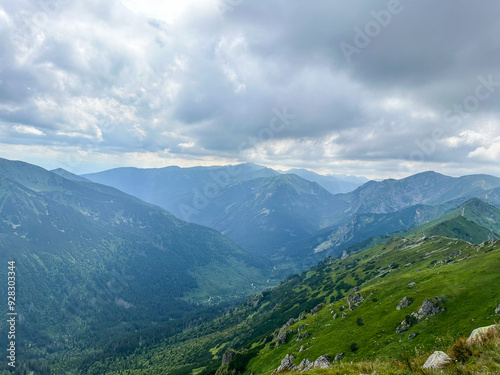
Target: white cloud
[23,129]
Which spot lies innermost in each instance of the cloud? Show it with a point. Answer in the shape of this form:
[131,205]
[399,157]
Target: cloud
[203,79]
[22,129]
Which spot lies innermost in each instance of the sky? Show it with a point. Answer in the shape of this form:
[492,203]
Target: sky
[375,88]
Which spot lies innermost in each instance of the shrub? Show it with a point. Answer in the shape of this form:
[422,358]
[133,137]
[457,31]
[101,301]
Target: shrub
[460,351]
[354,347]
[359,322]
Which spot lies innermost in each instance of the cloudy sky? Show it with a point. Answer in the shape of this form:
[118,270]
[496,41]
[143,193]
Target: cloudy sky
[373,88]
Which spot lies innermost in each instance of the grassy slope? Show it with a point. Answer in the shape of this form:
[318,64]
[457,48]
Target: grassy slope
[467,286]
[380,272]
[485,216]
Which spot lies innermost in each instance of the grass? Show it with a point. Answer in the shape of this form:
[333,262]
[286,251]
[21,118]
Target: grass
[466,285]
[484,359]
[463,273]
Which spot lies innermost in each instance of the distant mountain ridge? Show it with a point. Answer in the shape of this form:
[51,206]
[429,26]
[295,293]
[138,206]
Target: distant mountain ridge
[281,216]
[333,183]
[429,188]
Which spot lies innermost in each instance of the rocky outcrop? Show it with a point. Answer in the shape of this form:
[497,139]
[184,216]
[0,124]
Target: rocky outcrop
[228,356]
[322,362]
[338,357]
[497,310]
[354,298]
[479,333]
[286,364]
[412,284]
[429,308]
[317,308]
[410,320]
[305,365]
[281,335]
[405,302]
[301,333]
[437,360]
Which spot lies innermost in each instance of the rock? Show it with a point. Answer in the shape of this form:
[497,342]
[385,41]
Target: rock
[286,364]
[302,348]
[437,360]
[405,302]
[317,308]
[429,308]
[335,316]
[412,335]
[344,315]
[412,284]
[282,337]
[305,365]
[345,255]
[301,333]
[497,310]
[322,362]
[410,320]
[402,328]
[228,356]
[354,299]
[339,356]
[290,322]
[478,334]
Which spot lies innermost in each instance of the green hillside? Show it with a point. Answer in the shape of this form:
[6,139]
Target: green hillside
[94,263]
[474,221]
[455,274]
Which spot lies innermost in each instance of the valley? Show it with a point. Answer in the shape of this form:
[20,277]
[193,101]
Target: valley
[307,268]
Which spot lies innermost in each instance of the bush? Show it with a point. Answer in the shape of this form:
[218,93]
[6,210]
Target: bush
[359,322]
[354,347]
[411,320]
[460,351]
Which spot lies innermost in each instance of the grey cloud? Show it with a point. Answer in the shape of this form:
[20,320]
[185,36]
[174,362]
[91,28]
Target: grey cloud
[209,86]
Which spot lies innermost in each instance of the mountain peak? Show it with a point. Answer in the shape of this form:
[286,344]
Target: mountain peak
[68,175]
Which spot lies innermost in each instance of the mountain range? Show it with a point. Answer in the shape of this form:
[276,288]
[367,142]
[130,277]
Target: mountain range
[92,259]
[109,282]
[290,219]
